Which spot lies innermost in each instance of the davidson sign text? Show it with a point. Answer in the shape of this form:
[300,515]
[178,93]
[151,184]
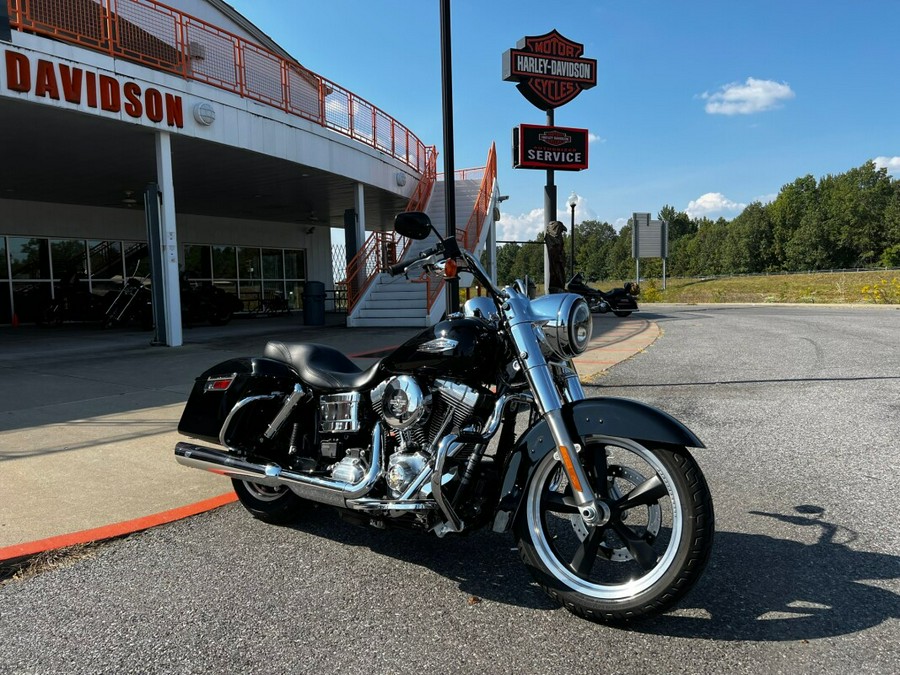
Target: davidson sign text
[88,88]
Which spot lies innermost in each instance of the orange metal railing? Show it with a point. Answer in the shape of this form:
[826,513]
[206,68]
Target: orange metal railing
[469,236]
[383,249]
[164,38]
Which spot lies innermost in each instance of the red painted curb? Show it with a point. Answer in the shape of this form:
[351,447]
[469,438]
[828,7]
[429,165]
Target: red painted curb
[114,530]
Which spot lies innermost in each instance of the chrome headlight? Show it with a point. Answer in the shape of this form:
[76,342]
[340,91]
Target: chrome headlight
[565,320]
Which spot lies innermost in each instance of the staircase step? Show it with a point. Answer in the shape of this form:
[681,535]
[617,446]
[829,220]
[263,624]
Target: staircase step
[420,321]
[397,297]
[391,312]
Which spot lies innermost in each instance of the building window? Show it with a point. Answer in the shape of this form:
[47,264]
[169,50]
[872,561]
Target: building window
[263,278]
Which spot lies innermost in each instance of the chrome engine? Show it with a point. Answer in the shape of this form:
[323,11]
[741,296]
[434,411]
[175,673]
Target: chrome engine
[419,420]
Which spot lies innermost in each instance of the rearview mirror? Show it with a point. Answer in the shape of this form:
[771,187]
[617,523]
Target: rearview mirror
[413,224]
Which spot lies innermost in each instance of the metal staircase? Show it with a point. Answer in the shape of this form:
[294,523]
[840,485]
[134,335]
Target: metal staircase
[397,301]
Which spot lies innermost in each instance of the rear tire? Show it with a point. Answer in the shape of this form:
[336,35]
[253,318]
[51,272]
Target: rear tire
[273,505]
[621,314]
[649,553]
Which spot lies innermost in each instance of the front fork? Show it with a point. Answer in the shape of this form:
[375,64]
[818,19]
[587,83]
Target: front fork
[549,401]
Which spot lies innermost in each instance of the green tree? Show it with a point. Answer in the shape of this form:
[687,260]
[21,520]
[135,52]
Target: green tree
[593,240]
[749,241]
[786,212]
[506,257]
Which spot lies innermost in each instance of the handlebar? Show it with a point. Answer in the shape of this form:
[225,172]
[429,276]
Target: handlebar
[450,249]
[402,266]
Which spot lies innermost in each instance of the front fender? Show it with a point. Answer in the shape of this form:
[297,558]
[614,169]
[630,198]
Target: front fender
[603,416]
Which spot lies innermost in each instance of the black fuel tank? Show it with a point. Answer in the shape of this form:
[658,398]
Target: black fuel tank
[465,348]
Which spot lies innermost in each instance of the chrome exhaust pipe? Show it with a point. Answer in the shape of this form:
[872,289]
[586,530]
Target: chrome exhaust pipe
[314,488]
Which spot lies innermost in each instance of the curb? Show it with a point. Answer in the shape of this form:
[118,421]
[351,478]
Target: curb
[17,551]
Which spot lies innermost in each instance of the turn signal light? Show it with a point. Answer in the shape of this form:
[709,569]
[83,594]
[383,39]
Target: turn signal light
[450,268]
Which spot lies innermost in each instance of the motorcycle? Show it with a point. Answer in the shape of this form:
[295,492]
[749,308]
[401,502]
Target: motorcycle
[609,511]
[620,301]
[72,301]
[203,302]
[131,304]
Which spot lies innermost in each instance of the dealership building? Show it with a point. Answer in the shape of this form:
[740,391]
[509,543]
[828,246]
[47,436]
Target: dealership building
[178,144]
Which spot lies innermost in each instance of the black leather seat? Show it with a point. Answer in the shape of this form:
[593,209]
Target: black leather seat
[322,367]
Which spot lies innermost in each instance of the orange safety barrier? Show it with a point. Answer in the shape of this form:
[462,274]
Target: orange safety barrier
[164,38]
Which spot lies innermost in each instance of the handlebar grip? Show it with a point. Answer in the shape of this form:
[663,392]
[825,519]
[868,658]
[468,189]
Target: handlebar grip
[399,268]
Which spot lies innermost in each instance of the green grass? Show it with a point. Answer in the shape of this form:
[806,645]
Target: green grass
[839,287]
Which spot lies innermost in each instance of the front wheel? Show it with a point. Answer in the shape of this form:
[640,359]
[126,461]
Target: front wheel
[274,505]
[651,548]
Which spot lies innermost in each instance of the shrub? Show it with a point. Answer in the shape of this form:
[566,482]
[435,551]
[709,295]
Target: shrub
[883,291]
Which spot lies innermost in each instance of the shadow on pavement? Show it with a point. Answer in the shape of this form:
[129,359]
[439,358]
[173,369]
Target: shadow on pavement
[756,587]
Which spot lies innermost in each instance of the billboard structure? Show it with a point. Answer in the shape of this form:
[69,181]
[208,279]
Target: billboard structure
[649,239]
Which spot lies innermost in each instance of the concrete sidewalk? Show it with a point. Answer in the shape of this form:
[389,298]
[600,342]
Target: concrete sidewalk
[88,419]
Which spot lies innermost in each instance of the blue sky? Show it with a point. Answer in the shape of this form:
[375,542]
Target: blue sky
[706,106]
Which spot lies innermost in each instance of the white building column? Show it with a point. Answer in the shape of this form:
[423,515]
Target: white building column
[360,206]
[492,245]
[168,244]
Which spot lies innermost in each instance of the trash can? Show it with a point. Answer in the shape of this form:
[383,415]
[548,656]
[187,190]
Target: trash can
[314,303]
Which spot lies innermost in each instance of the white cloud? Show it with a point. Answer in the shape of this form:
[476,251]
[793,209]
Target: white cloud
[712,203]
[523,227]
[752,96]
[594,138]
[892,164]
[766,199]
[526,226]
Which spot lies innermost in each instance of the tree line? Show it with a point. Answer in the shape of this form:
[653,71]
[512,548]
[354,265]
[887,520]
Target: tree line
[837,222]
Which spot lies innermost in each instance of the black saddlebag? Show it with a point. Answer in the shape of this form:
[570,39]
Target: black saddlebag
[217,391]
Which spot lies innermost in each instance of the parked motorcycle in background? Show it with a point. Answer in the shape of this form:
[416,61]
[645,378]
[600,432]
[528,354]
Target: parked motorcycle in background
[619,301]
[132,304]
[609,510]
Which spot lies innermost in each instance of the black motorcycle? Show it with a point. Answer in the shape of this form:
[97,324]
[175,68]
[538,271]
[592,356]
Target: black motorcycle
[132,304]
[619,301]
[610,513]
[206,303]
[72,301]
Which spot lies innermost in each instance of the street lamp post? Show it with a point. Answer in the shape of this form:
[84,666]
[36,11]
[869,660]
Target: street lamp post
[573,202]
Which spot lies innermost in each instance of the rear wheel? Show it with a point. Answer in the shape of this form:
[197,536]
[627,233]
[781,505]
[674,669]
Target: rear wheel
[621,314]
[647,554]
[275,505]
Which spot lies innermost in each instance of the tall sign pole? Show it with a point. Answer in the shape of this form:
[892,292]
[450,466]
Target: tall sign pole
[449,183]
[550,71]
[549,210]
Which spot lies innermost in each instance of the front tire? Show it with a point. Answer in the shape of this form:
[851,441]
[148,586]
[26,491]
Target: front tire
[645,557]
[273,505]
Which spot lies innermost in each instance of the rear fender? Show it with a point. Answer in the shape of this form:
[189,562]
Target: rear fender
[605,416]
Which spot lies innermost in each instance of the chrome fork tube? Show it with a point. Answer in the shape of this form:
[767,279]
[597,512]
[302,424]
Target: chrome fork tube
[550,403]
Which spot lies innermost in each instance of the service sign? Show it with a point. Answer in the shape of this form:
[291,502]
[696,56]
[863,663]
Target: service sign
[540,147]
[550,69]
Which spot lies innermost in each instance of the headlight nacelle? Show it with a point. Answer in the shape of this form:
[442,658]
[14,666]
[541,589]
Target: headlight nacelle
[565,321]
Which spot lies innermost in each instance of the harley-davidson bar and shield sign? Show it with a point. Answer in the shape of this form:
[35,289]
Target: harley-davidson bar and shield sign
[539,147]
[549,69]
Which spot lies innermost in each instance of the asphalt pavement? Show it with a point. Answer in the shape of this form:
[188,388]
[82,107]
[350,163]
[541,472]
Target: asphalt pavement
[88,419]
[798,408]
